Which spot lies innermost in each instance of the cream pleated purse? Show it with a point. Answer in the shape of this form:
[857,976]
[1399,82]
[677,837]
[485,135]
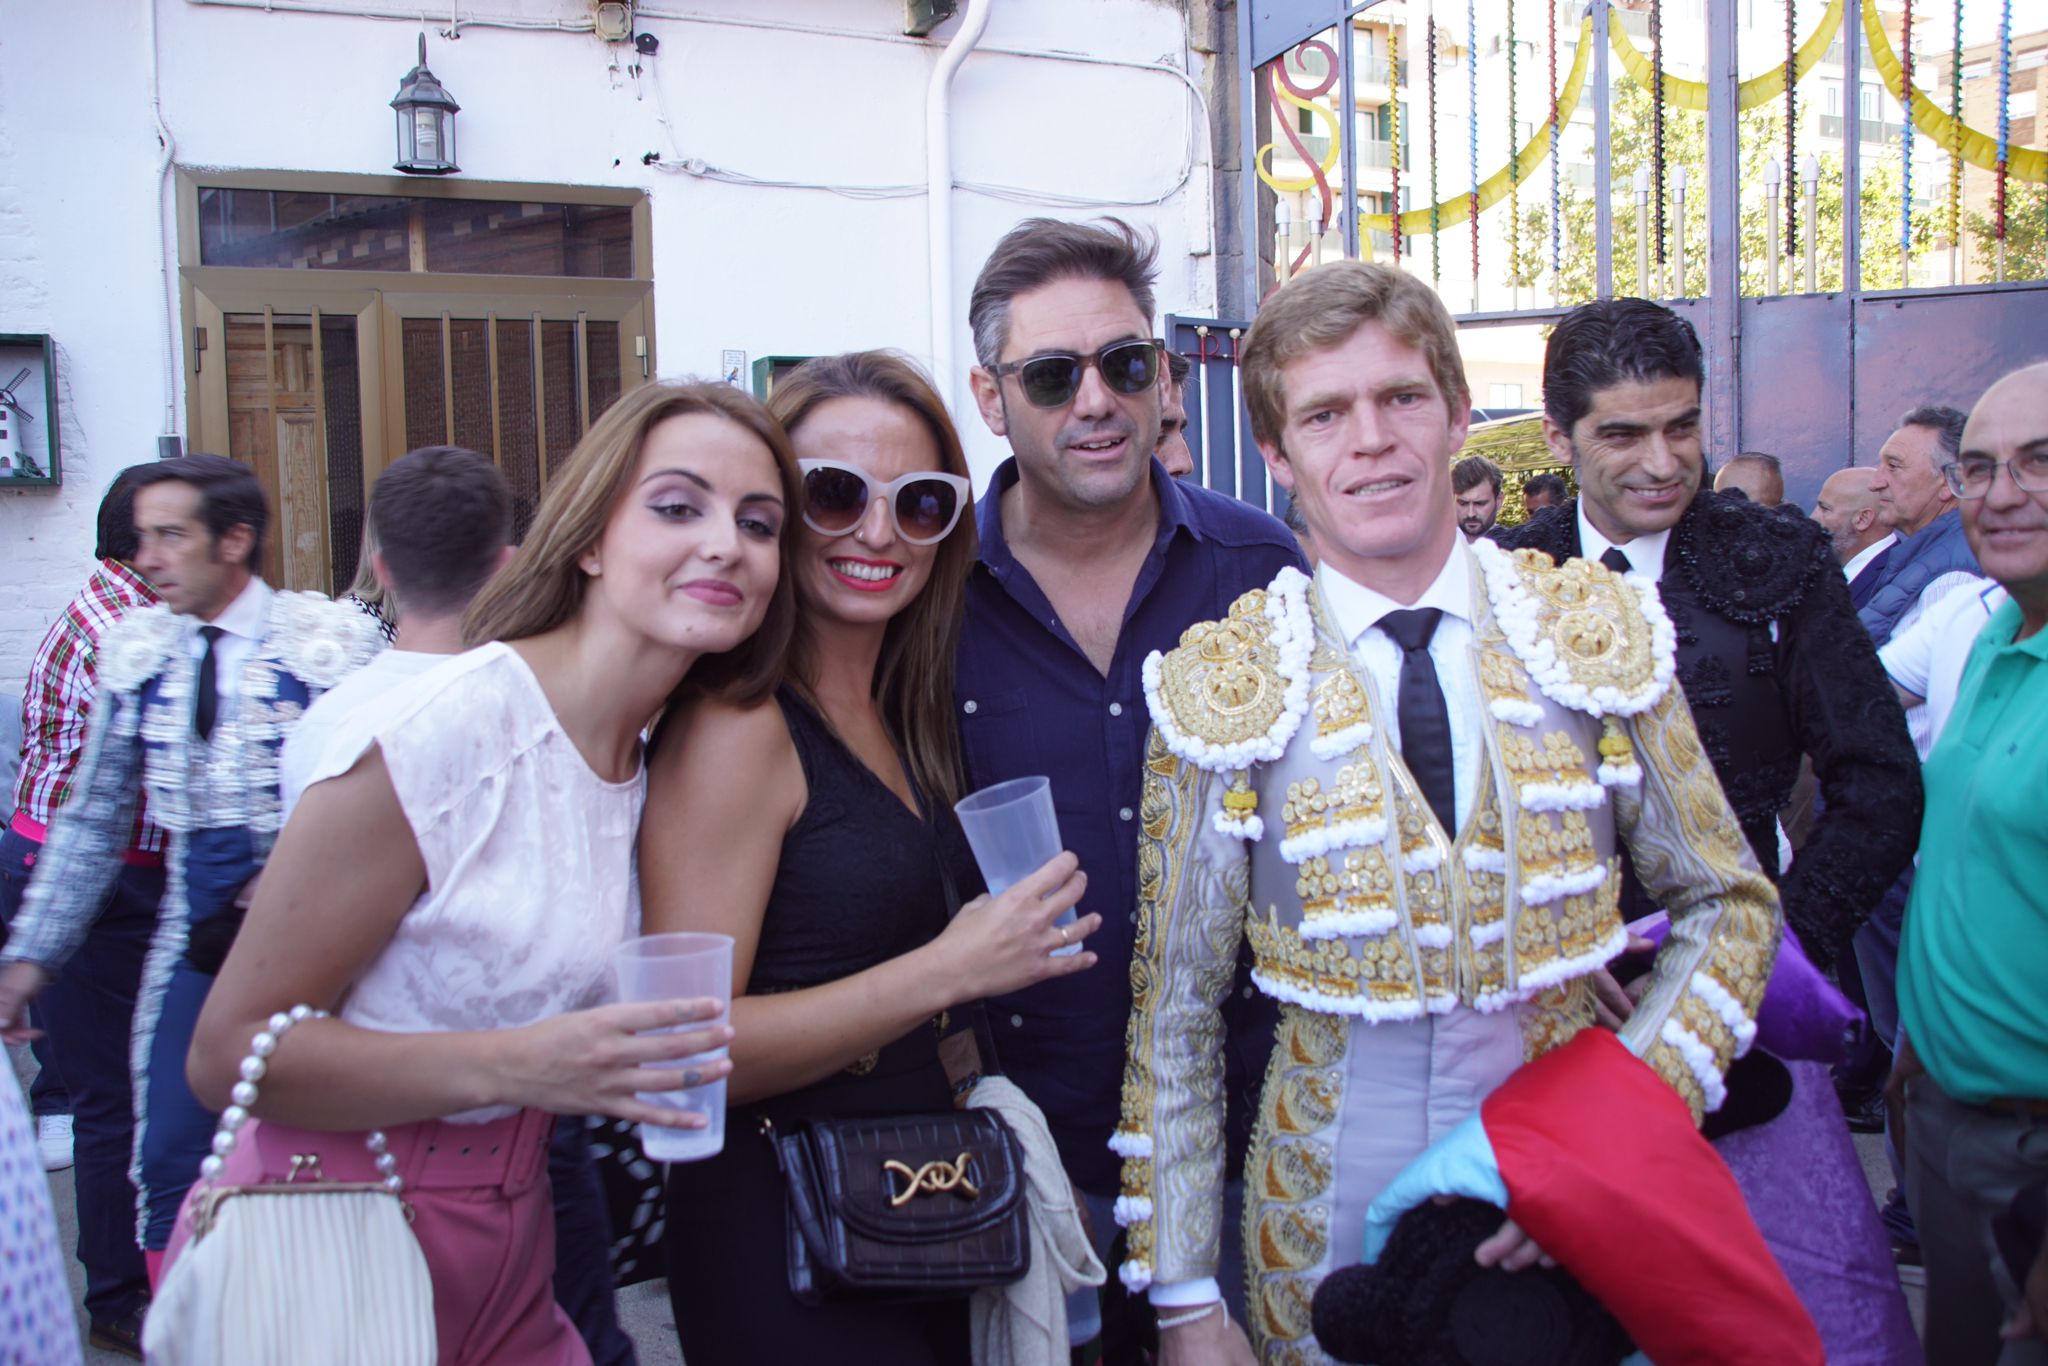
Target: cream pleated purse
[299,1272]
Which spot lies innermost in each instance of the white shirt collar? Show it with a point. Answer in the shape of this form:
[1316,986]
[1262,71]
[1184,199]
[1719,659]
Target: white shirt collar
[244,616]
[1356,609]
[1645,553]
[1867,554]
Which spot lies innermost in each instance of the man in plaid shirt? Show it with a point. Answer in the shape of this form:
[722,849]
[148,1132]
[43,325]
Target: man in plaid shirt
[86,1014]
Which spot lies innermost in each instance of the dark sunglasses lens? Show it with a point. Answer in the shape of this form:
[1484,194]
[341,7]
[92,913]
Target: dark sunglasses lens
[834,499]
[1130,367]
[924,509]
[1049,381]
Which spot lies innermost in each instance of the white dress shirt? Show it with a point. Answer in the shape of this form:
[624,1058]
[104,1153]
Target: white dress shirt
[1358,610]
[1927,658]
[241,627]
[1867,554]
[1645,553]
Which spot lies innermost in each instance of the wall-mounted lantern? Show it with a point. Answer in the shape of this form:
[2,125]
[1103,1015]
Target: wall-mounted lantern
[426,122]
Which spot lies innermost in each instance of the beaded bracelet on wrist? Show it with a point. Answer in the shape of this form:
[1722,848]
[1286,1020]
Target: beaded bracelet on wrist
[245,1092]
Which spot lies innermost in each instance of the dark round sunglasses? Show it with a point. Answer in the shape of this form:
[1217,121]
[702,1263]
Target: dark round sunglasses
[924,504]
[1051,380]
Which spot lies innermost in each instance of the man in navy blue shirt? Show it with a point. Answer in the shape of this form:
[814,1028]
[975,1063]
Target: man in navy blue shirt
[1092,558]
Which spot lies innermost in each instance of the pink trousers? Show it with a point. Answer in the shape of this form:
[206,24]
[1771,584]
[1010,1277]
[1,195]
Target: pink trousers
[483,1215]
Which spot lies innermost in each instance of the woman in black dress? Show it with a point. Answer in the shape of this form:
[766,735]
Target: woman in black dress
[819,833]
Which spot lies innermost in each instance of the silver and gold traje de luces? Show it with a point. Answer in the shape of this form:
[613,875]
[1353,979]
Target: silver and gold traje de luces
[1276,811]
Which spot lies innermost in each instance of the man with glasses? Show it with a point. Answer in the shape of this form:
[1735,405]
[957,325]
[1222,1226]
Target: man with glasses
[1092,557]
[1974,1063]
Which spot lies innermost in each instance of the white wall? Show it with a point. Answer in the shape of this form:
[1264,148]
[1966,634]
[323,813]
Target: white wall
[768,271]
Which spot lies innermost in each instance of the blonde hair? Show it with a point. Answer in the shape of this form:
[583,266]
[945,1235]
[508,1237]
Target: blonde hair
[1321,308]
[367,586]
[543,586]
[914,677]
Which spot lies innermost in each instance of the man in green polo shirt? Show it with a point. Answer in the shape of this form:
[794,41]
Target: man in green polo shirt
[1973,966]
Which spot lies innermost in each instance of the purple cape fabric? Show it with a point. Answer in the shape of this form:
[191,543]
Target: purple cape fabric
[1809,1196]
[1804,1018]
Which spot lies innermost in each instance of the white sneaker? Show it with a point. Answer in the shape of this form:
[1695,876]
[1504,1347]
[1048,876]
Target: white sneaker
[53,1141]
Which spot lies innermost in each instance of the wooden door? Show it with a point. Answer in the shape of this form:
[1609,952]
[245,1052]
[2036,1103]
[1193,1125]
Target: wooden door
[273,426]
[519,384]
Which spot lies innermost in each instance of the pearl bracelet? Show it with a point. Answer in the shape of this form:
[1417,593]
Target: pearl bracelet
[1182,1320]
[244,1096]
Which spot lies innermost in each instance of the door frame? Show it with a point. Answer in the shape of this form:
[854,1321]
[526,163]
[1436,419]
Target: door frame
[379,301]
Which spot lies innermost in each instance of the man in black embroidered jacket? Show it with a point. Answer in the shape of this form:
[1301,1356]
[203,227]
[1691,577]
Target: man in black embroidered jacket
[1770,653]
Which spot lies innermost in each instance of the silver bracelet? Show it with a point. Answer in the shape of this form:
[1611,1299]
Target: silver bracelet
[1182,1320]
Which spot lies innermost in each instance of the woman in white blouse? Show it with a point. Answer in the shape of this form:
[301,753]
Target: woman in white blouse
[454,890]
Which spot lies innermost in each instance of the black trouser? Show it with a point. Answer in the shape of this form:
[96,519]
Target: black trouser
[583,1247]
[86,1013]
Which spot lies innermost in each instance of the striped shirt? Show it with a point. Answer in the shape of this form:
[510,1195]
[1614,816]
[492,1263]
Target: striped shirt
[61,686]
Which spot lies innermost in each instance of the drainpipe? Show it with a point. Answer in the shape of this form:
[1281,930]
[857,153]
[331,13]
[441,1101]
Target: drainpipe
[168,443]
[938,144]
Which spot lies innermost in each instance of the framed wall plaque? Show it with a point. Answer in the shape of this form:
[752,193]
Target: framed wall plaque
[29,453]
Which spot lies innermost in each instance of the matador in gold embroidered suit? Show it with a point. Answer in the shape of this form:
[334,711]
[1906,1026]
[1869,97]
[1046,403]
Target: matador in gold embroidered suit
[1416,965]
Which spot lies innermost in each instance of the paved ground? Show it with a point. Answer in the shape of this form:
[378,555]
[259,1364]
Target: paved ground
[644,1308]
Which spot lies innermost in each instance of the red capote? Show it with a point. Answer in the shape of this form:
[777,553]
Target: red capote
[1605,1170]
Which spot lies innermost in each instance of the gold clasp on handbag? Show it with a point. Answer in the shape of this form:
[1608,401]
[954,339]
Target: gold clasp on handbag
[307,1165]
[933,1178]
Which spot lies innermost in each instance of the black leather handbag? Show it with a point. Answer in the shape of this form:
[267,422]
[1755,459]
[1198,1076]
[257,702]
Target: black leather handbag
[903,1208]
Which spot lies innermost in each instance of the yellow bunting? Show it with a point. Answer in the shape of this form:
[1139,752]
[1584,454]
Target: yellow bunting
[1684,94]
[1979,149]
[1495,187]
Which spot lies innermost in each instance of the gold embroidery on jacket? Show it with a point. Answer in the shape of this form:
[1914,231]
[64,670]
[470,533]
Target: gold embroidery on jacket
[1289,1174]
[1553,1016]
[1338,702]
[1223,684]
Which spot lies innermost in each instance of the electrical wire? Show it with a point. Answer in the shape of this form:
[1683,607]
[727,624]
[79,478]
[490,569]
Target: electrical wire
[702,169]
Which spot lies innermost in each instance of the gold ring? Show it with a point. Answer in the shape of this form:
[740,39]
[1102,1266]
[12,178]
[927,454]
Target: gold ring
[1063,934]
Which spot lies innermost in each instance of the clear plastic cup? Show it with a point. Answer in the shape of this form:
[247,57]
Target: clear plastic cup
[1013,832]
[667,967]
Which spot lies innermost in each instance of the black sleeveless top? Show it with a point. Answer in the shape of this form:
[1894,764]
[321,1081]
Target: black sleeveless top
[858,883]
[859,879]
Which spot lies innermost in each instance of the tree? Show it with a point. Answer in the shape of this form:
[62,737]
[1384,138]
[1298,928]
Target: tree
[1761,133]
[2026,234]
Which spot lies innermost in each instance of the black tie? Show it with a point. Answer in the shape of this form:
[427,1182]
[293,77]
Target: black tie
[1615,558]
[1425,721]
[206,696]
